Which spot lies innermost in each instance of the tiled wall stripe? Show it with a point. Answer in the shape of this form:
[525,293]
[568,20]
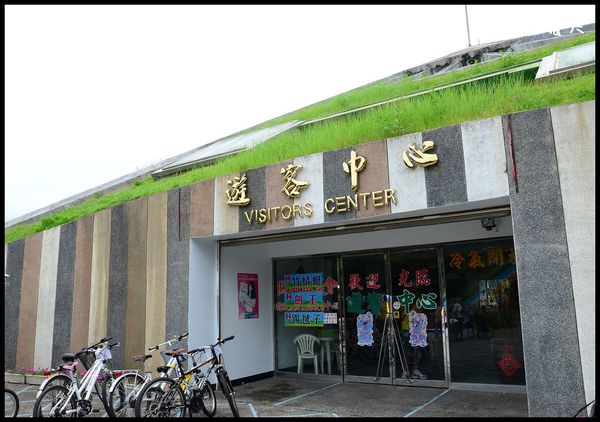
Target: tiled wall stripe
[373,179]
[63,308]
[82,284]
[574,133]
[100,268]
[117,283]
[408,183]
[135,314]
[227,217]
[29,297]
[275,197]
[445,181]
[201,208]
[545,291]
[44,328]
[156,273]
[12,299]
[485,162]
[257,193]
[311,172]
[336,183]
[178,224]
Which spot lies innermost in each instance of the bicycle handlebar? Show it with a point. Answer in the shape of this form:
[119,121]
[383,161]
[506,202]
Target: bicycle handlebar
[225,339]
[168,342]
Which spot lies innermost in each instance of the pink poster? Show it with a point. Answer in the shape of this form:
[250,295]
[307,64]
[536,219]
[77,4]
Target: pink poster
[247,296]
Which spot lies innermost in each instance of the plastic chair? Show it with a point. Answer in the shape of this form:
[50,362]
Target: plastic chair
[305,345]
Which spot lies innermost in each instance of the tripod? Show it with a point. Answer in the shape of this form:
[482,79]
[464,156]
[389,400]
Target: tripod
[390,328]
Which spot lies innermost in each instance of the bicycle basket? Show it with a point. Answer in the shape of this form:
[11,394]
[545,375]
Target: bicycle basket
[87,359]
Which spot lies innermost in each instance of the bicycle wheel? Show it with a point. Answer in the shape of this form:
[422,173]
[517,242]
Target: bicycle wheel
[227,389]
[161,398]
[121,396]
[208,400]
[57,379]
[11,403]
[50,402]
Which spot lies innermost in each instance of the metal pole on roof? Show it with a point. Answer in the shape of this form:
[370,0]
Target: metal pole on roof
[468,33]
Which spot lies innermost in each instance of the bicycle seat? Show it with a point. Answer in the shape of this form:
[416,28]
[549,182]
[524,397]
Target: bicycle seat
[141,358]
[174,352]
[68,357]
[164,369]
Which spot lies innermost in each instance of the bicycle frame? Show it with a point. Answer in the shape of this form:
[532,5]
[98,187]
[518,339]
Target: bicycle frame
[185,381]
[85,386]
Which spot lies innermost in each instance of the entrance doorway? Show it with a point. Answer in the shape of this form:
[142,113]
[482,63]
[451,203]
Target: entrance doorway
[398,294]
[452,315]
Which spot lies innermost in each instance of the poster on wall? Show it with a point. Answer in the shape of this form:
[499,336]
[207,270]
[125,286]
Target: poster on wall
[303,300]
[247,296]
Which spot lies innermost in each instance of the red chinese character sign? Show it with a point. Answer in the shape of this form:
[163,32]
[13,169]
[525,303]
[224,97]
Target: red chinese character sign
[247,296]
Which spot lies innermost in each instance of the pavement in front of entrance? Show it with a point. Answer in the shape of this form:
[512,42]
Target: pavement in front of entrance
[287,396]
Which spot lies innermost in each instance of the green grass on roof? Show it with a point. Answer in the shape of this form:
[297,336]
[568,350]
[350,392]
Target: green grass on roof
[508,94]
[382,91]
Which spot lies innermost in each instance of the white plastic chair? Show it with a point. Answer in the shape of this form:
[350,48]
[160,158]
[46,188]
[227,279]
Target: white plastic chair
[305,345]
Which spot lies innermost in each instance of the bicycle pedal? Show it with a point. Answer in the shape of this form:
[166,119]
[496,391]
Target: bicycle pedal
[95,410]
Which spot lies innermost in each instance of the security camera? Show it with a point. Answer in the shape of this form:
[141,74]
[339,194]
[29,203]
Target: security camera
[488,223]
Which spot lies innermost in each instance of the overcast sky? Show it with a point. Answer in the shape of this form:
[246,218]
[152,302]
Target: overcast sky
[96,92]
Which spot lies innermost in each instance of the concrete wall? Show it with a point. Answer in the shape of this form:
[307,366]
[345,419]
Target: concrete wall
[127,272]
[574,140]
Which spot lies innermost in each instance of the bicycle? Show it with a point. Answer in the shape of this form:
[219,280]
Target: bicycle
[191,390]
[59,401]
[11,403]
[65,374]
[125,389]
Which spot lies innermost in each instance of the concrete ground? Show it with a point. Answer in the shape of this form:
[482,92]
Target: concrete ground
[287,396]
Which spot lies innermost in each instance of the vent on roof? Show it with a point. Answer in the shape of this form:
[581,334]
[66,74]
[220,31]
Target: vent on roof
[223,148]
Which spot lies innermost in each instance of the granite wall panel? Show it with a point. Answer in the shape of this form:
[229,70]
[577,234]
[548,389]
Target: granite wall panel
[12,299]
[545,298]
[336,183]
[258,199]
[445,181]
[117,284]
[178,244]
[29,298]
[312,172]
[409,183]
[135,315]
[156,273]
[98,324]
[575,140]
[374,179]
[275,198]
[64,292]
[201,209]
[44,327]
[227,218]
[82,283]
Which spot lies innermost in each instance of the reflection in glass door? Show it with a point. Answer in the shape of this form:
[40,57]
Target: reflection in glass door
[364,286]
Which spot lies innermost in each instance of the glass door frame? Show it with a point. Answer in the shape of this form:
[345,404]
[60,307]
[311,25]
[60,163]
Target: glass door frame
[360,378]
[393,378]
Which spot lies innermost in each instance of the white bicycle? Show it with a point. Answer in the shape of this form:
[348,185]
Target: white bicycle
[75,400]
[125,389]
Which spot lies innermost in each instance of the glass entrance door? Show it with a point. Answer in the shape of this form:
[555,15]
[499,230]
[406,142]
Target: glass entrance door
[364,286]
[416,311]
[392,318]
